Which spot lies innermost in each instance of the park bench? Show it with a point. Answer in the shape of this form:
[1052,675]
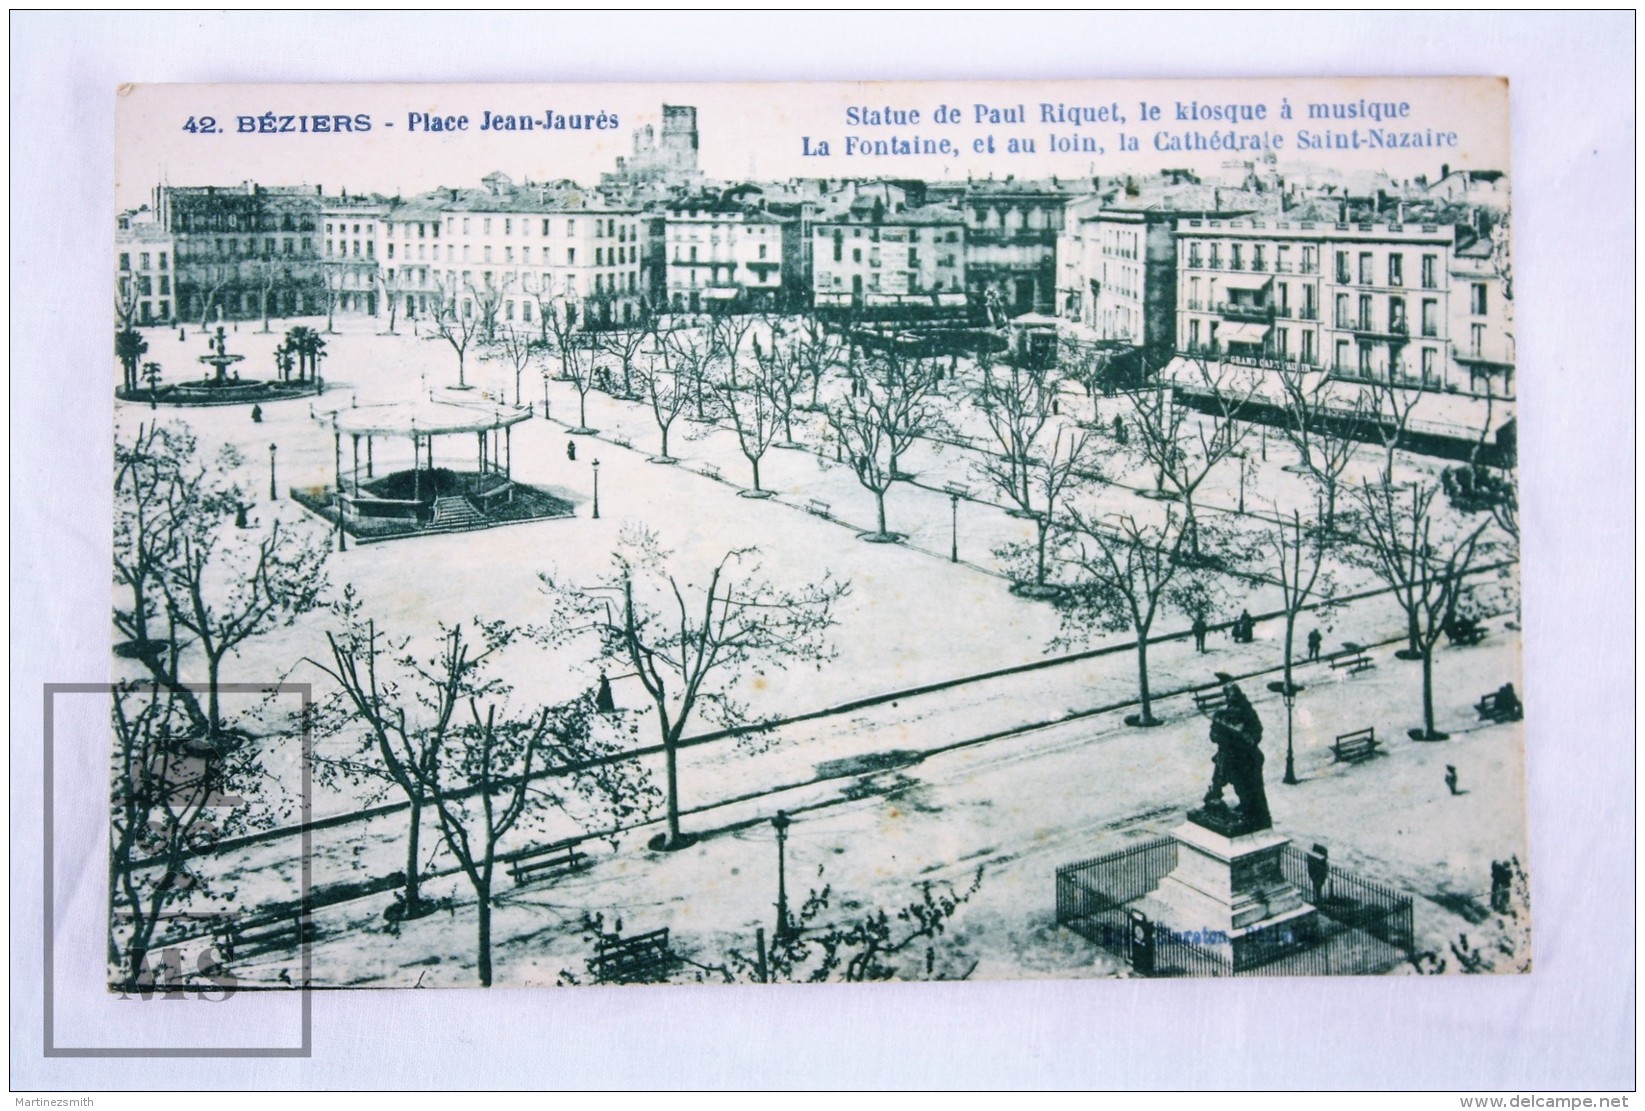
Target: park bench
[641,959]
[531,865]
[819,508]
[265,933]
[622,441]
[1491,708]
[1210,701]
[1351,659]
[1464,631]
[710,470]
[1355,747]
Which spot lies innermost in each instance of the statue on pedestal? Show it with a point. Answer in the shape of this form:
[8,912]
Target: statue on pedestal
[1237,732]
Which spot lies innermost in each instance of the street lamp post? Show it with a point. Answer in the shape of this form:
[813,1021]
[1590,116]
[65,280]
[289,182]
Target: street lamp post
[545,395]
[1290,696]
[596,489]
[954,535]
[781,823]
[1244,458]
[273,490]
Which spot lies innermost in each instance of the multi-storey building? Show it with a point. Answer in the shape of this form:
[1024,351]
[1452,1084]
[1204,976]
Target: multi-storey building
[1011,242]
[144,269]
[1482,313]
[915,252]
[722,254]
[514,252]
[1365,301]
[351,229]
[241,252]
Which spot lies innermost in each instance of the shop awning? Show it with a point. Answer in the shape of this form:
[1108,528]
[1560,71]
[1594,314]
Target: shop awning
[1243,333]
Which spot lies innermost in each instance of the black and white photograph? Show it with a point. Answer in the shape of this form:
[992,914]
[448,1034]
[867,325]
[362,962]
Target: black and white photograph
[679,553]
[1071,532]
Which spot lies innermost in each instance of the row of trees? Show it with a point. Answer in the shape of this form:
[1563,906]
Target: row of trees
[437,717]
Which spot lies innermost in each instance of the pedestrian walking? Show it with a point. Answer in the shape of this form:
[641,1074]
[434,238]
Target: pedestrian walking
[1244,631]
[1314,640]
[256,414]
[1319,871]
[1451,778]
[571,450]
[1502,878]
[1200,629]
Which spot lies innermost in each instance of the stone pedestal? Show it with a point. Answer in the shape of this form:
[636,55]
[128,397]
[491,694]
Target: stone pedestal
[1228,895]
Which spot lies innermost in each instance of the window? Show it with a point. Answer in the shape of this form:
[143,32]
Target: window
[1282,342]
[1365,275]
[165,284]
[125,260]
[545,225]
[1476,340]
[1283,298]
[508,229]
[162,260]
[763,249]
[1193,254]
[1396,315]
[1364,312]
[1310,260]
[1428,374]
[571,256]
[1430,268]
[1308,346]
[1234,260]
[1342,355]
[1193,294]
[1430,317]
[1216,256]
[1365,360]
[1343,274]
[485,226]
[1256,257]
[1193,335]
[143,261]
[1396,269]
[1342,311]
[1477,298]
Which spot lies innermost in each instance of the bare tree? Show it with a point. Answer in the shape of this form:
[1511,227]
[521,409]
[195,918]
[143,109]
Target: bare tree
[1323,427]
[1425,561]
[625,345]
[1122,570]
[515,348]
[267,273]
[782,375]
[1296,555]
[693,647]
[1051,470]
[455,322]
[391,286]
[1388,411]
[1015,402]
[219,276]
[744,399]
[818,349]
[168,807]
[1184,447]
[576,356]
[226,586]
[661,384]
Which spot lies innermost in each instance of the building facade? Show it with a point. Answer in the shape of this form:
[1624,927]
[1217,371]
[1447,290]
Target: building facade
[1364,301]
[912,253]
[144,272]
[242,253]
[1011,243]
[723,255]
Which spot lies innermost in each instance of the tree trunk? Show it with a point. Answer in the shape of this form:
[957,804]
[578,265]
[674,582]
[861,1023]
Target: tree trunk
[1045,531]
[756,464]
[1428,693]
[879,500]
[484,891]
[413,870]
[664,429]
[671,762]
[1146,716]
[1290,632]
[582,408]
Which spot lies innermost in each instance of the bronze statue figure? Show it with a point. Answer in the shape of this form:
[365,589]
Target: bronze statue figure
[1237,732]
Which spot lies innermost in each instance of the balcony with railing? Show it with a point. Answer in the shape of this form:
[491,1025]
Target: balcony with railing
[1246,310]
[1397,331]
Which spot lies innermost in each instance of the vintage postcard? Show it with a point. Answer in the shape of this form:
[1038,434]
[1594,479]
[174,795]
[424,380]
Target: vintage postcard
[601,534]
